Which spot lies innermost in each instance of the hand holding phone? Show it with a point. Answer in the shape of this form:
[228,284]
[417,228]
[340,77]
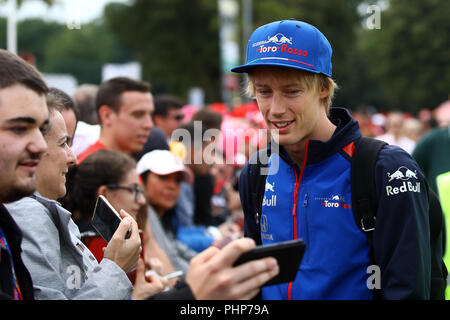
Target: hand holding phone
[106,219]
[288,254]
[124,243]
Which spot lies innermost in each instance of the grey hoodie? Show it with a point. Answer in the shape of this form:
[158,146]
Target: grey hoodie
[61,266]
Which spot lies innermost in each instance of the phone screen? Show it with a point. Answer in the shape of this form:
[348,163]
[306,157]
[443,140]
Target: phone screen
[106,219]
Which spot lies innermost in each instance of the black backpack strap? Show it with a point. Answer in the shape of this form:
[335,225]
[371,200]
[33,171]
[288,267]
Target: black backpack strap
[256,183]
[364,202]
[364,196]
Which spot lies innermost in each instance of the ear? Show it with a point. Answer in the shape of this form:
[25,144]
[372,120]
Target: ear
[324,92]
[106,114]
[157,120]
[101,191]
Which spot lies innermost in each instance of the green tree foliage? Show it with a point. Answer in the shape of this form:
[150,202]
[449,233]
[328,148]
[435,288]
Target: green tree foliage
[409,57]
[57,49]
[2,32]
[176,41]
[34,35]
[403,65]
[82,52]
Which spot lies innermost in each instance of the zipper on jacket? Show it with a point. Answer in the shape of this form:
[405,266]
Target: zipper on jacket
[305,200]
[294,210]
[298,179]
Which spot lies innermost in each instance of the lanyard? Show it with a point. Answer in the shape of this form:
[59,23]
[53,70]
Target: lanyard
[4,244]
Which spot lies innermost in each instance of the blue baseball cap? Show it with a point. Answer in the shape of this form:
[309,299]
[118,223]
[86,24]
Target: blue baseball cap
[288,43]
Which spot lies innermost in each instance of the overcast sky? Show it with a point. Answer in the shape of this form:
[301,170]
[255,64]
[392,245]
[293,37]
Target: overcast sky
[61,11]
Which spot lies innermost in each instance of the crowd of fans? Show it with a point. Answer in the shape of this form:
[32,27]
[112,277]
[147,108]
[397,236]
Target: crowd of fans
[173,168]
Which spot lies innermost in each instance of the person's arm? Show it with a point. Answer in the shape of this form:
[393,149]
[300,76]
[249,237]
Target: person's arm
[146,286]
[195,238]
[124,252]
[109,281]
[422,153]
[55,270]
[153,250]
[402,236]
[41,251]
[181,291]
[212,276]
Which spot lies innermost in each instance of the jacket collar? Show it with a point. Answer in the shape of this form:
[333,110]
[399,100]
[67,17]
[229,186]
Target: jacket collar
[347,130]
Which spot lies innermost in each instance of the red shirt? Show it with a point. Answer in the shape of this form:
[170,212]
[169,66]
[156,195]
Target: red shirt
[95,244]
[92,148]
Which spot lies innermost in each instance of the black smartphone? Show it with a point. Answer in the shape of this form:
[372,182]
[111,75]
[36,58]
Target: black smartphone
[289,255]
[106,219]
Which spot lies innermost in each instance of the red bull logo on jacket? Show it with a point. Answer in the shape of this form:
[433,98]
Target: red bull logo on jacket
[403,174]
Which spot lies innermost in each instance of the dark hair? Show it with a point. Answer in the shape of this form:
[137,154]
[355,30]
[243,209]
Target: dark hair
[193,134]
[100,168]
[144,175]
[109,92]
[164,103]
[84,98]
[60,101]
[15,70]
[209,118]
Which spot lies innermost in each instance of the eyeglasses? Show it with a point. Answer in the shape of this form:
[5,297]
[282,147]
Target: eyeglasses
[138,192]
[177,117]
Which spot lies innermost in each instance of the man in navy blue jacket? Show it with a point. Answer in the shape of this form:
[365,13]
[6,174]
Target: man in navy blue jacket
[307,190]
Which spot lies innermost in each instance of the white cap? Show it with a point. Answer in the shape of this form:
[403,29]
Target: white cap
[163,162]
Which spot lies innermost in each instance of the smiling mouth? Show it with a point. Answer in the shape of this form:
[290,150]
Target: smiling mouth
[281,125]
[142,139]
[29,164]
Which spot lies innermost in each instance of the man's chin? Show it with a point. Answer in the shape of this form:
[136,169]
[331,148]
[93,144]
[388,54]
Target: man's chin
[18,193]
[136,148]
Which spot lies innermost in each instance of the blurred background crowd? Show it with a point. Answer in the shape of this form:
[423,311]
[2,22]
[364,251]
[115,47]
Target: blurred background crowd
[390,60]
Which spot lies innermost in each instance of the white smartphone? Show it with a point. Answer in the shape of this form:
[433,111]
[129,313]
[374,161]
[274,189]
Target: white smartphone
[106,219]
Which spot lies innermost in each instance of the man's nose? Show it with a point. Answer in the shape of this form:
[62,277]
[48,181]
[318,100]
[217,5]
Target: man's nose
[148,124]
[38,145]
[277,106]
[72,158]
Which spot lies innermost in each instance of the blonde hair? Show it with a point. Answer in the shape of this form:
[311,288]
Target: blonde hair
[312,81]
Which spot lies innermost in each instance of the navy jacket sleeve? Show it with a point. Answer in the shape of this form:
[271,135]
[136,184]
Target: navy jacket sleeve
[402,236]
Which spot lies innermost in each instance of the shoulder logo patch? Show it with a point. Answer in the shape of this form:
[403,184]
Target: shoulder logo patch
[401,179]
